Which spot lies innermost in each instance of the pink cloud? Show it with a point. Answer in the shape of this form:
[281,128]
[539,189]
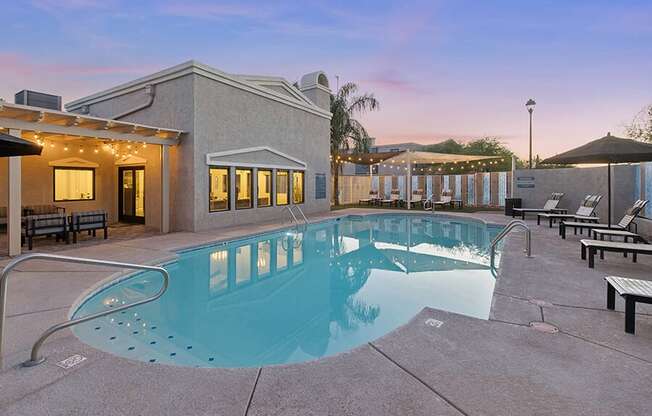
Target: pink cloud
[390,80]
[212,10]
[22,66]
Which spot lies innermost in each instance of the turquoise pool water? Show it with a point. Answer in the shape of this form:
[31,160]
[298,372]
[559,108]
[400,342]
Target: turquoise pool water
[297,295]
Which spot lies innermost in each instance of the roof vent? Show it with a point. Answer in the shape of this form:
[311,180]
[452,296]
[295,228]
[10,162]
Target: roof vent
[38,99]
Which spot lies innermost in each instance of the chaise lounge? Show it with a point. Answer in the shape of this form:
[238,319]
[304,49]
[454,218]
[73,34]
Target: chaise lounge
[394,198]
[549,207]
[590,248]
[373,197]
[623,224]
[585,212]
[632,290]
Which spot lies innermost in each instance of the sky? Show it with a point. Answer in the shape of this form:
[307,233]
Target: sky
[440,69]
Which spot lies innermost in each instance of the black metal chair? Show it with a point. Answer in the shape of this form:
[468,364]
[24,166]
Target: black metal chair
[89,221]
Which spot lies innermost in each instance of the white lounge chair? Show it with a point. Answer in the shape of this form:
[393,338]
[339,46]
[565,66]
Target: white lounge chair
[623,224]
[549,207]
[373,197]
[632,290]
[394,198]
[585,212]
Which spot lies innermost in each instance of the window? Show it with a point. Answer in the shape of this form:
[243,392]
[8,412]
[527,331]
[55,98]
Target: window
[264,258]
[297,187]
[282,187]
[74,184]
[242,264]
[218,195]
[264,188]
[244,188]
[219,266]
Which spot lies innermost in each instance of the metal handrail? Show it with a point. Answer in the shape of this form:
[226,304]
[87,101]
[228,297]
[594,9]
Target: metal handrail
[305,219]
[4,277]
[294,217]
[509,227]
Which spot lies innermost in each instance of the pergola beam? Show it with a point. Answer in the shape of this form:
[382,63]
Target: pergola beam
[81,131]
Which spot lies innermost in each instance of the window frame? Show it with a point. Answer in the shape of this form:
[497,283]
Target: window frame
[287,192]
[303,187]
[251,188]
[272,193]
[228,188]
[54,183]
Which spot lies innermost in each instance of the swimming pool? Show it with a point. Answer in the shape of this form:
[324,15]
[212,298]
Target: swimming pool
[298,294]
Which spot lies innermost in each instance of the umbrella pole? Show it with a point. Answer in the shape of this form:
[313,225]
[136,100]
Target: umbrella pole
[609,194]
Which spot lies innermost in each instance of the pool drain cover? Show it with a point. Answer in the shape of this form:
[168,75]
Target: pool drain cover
[544,327]
[71,361]
[435,323]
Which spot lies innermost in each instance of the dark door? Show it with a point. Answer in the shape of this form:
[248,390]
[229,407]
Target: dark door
[131,194]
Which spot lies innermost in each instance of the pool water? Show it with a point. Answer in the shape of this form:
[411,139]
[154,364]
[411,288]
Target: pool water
[299,294]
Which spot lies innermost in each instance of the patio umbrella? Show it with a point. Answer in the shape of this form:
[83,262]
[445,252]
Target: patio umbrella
[608,149]
[15,146]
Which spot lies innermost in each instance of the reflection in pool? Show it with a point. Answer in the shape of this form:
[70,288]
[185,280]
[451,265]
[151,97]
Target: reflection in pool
[298,295]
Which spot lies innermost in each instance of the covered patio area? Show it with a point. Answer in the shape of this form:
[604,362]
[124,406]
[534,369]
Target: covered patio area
[87,164]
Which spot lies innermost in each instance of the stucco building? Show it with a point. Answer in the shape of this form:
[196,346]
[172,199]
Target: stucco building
[187,148]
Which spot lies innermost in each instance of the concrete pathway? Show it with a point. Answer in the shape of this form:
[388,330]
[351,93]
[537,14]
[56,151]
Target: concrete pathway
[438,364]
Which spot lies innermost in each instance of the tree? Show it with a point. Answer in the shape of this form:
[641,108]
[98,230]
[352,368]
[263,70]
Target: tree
[641,126]
[347,133]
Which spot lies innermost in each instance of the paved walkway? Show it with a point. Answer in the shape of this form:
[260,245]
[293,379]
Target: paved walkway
[439,363]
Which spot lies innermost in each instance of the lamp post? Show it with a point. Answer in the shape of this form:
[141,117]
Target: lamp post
[530,108]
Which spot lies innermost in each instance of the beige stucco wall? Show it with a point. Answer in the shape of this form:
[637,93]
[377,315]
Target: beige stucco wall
[38,181]
[219,117]
[172,108]
[228,118]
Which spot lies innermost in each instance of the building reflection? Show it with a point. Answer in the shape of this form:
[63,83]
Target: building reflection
[281,299]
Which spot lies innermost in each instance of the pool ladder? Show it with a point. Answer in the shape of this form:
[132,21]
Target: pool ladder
[35,359]
[509,227]
[294,217]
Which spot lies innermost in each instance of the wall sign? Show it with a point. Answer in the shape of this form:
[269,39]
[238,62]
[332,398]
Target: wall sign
[525,181]
[320,186]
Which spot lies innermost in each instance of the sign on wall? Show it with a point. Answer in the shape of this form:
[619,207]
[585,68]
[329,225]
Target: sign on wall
[525,181]
[320,186]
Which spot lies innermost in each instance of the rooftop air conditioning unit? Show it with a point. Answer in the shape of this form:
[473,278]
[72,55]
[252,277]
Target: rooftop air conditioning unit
[38,99]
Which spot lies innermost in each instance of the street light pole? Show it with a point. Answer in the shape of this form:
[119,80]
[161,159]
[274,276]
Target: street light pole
[530,108]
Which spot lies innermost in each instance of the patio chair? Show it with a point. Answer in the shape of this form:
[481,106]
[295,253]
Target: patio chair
[585,212]
[417,197]
[394,198]
[46,224]
[589,248]
[42,210]
[632,290]
[446,198]
[3,215]
[623,224]
[549,207]
[373,197]
[89,221]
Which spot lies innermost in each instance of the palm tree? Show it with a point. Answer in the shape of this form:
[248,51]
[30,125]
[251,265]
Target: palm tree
[346,132]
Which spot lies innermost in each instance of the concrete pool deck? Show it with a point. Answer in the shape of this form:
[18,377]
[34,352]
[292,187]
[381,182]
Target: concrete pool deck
[438,363]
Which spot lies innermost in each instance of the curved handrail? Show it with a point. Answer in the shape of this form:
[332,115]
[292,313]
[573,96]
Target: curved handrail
[305,219]
[4,277]
[294,217]
[509,227]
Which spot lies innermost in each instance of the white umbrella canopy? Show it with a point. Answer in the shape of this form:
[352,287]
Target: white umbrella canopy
[428,157]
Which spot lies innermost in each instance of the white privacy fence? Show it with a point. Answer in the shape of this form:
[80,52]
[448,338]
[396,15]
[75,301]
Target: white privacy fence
[476,189]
